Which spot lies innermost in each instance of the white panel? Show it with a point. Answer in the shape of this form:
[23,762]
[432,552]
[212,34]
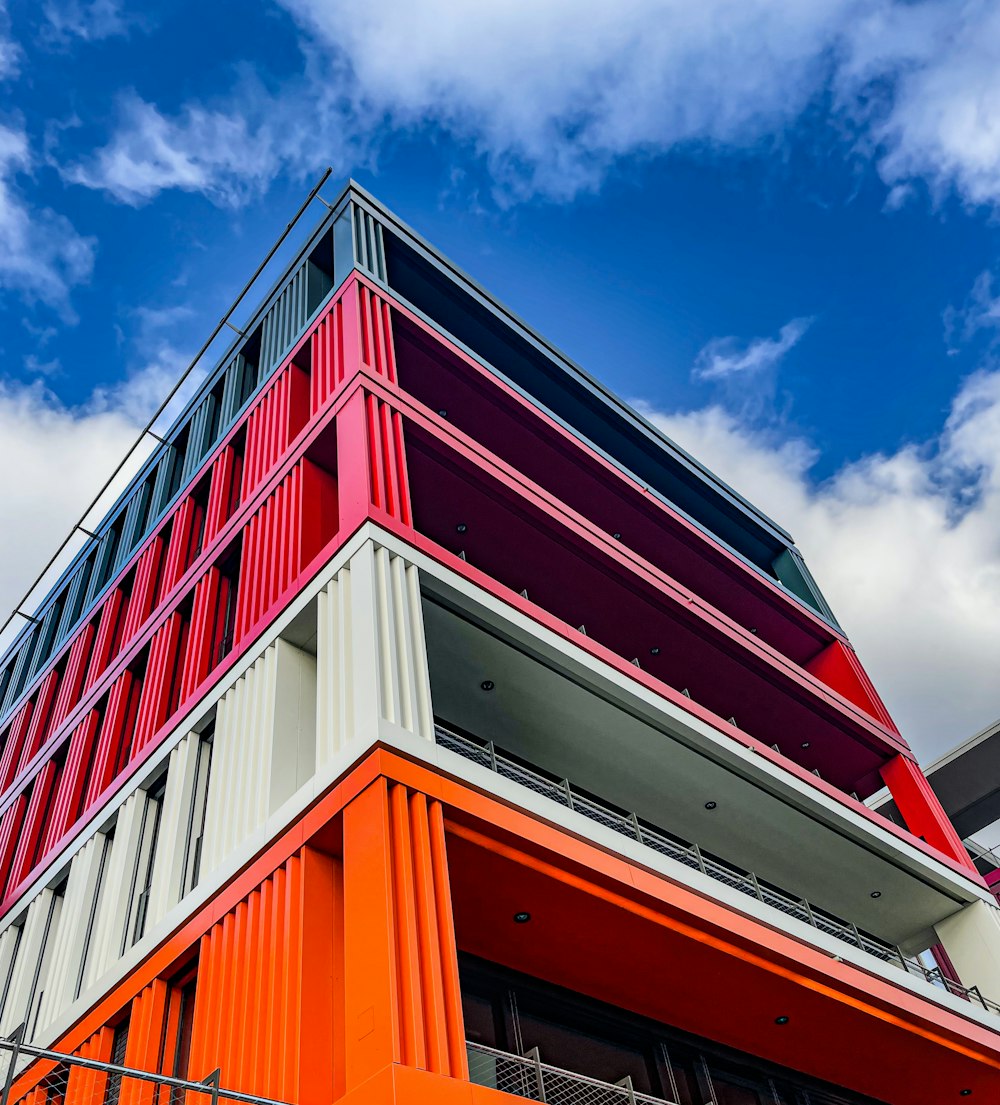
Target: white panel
[68,938]
[971,938]
[28,955]
[371,653]
[168,866]
[114,907]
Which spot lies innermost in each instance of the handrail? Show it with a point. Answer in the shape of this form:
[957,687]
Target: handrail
[667,844]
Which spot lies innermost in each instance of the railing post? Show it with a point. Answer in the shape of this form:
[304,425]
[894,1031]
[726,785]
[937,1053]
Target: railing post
[635,826]
[982,1001]
[569,793]
[809,913]
[902,958]
[16,1038]
[214,1080]
[629,1088]
[536,1058]
[756,887]
[493,756]
[700,858]
[857,936]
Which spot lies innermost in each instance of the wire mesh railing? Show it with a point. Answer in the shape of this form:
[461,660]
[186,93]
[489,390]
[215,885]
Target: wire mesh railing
[39,1076]
[673,847]
[527,1076]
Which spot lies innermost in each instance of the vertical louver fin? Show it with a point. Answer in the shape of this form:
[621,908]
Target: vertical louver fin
[368,244]
[134,525]
[289,313]
[76,594]
[240,380]
[200,439]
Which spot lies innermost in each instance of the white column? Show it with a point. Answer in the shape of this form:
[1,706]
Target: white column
[971,938]
[119,888]
[32,949]
[371,653]
[81,886]
[265,747]
[168,864]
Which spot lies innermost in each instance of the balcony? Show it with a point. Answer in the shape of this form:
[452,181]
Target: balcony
[527,1076]
[691,855]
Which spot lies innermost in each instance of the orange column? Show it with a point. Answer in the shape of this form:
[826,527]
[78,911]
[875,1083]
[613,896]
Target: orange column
[401,992]
[267,993]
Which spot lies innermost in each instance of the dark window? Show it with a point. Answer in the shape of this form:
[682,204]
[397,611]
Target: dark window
[119,1045]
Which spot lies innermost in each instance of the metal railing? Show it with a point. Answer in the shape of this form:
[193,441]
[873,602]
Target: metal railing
[38,1076]
[527,1076]
[667,844]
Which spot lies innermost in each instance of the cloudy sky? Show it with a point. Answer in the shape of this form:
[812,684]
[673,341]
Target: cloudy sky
[771,224]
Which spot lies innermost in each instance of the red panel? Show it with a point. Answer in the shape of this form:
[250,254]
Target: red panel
[180,542]
[19,726]
[377,349]
[10,832]
[273,424]
[143,597]
[319,512]
[220,495]
[39,728]
[921,810]
[71,686]
[155,701]
[389,485]
[106,641]
[198,656]
[74,779]
[327,348]
[30,840]
[116,733]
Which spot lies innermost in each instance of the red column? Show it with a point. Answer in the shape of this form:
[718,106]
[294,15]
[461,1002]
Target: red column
[921,810]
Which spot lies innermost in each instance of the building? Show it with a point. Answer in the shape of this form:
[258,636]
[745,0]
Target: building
[421,724]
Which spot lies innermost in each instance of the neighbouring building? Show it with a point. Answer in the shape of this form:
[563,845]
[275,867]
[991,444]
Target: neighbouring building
[421,724]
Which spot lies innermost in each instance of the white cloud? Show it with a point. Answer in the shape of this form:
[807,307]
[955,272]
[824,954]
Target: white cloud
[10,51]
[553,93]
[41,255]
[905,546]
[723,358]
[90,20]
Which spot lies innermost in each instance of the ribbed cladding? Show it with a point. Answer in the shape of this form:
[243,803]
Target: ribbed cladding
[41,714]
[225,472]
[378,351]
[368,243]
[69,797]
[107,622]
[175,563]
[289,313]
[240,380]
[154,704]
[133,524]
[71,686]
[10,832]
[16,736]
[398,926]
[277,417]
[145,1043]
[116,728]
[267,1003]
[201,434]
[76,592]
[328,367]
[168,868]
[81,887]
[30,951]
[199,657]
[371,653]
[390,485]
[44,639]
[143,598]
[102,565]
[86,1086]
[32,829]
[19,675]
[264,748]
[164,481]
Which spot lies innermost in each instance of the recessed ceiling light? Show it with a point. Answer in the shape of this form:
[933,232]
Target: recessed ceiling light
[964,1093]
[875,894]
[710,805]
[804,744]
[617,536]
[522,918]
[654,651]
[461,527]
[487,685]
[443,413]
[781,1020]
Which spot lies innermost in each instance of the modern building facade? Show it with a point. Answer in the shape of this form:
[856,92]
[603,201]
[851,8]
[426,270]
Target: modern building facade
[423,726]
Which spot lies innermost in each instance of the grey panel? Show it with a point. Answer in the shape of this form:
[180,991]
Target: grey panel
[76,592]
[200,437]
[369,246]
[239,382]
[102,565]
[134,525]
[19,673]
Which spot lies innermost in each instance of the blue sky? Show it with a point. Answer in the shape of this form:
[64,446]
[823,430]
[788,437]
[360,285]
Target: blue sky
[770,223]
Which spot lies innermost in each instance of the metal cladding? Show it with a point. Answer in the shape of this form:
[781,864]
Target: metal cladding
[284,759]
